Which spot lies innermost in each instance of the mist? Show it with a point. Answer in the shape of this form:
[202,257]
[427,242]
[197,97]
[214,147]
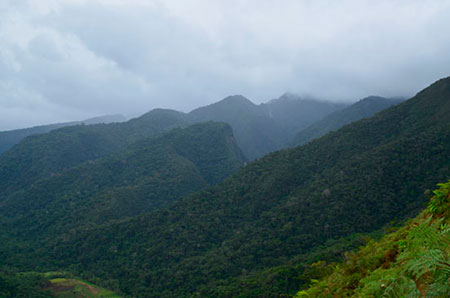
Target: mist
[75,59]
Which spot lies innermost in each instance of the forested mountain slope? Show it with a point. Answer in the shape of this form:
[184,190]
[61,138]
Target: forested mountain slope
[293,113]
[12,137]
[412,262]
[149,174]
[260,129]
[286,204]
[256,129]
[364,108]
[253,130]
[44,155]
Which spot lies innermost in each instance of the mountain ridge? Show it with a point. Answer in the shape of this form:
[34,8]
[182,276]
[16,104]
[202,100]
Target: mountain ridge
[363,108]
[287,203]
[264,128]
[11,137]
[149,174]
[259,129]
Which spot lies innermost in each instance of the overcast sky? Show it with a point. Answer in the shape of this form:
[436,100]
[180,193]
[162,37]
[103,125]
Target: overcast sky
[65,60]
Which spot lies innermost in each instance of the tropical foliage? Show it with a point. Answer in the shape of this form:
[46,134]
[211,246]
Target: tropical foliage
[22,285]
[149,174]
[412,262]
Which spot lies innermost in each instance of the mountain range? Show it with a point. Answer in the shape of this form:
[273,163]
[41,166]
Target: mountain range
[12,137]
[258,129]
[145,207]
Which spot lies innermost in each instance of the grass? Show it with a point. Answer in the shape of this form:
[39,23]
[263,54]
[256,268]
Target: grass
[63,287]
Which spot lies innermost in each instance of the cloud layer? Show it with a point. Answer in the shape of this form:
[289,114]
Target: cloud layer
[71,59]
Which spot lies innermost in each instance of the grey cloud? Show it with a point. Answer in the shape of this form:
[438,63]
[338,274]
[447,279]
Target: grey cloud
[45,47]
[60,60]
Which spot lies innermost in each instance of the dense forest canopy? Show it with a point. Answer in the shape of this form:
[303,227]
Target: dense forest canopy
[413,261]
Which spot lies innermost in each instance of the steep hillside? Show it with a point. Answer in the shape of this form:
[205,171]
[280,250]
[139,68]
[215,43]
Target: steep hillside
[276,209]
[12,137]
[260,129]
[413,261]
[253,130]
[293,113]
[41,155]
[44,155]
[364,108]
[150,174]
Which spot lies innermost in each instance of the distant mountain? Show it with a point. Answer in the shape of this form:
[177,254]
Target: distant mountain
[104,119]
[364,108]
[254,130]
[260,129]
[42,155]
[240,236]
[293,113]
[12,137]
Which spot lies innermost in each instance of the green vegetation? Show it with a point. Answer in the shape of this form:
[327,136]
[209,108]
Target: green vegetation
[50,284]
[285,280]
[260,129]
[46,155]
[412,262]
[261,231]
[74,288]
[364,108]
[9,138]
[149,174]
[23,285]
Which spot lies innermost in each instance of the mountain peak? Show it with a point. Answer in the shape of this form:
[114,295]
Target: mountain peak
[290,96]
[160,111]
[236,100]
[105,119]
[287,96]
[157,115]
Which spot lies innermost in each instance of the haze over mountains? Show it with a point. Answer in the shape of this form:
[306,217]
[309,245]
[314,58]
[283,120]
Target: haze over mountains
[284,149]
[364,108]
[12,137]
[145,207]
[259,129]
[73,58]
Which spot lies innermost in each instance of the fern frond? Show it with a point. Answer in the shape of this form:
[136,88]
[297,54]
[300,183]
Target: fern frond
[401,286]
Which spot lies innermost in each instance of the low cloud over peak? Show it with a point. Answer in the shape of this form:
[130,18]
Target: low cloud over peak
[72,59]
